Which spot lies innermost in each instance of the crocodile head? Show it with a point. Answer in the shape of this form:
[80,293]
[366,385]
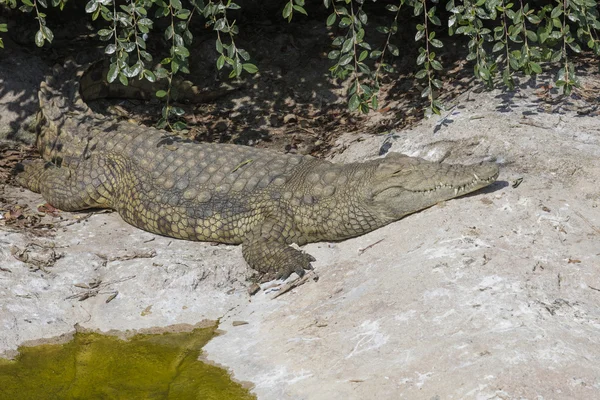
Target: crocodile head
[402,185]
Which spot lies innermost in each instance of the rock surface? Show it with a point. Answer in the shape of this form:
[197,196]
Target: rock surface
[493,295]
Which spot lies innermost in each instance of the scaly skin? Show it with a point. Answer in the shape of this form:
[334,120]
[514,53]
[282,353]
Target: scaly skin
[224,193]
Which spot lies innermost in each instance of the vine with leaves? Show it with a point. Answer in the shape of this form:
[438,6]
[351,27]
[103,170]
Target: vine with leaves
[504,38]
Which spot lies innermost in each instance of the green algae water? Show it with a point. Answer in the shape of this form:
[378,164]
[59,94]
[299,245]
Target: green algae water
[95,366]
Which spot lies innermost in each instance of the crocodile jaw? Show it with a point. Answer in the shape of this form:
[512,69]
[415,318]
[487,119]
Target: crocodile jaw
[406,185]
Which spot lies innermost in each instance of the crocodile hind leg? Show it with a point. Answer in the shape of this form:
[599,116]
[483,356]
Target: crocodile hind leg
[81,185]
[266,251]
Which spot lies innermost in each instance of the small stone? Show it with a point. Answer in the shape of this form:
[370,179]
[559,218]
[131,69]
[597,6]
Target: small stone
[290,118]
[274,120]
[253,289]
[221,126]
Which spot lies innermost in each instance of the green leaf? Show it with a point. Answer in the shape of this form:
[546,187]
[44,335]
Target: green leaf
[535,67]
[39,38]
[337,41]
[161,93]
[436,43]
[345,59]
[162,123]
[169,32]
[556,12]
[391,7]
[345,22]
[354,102]
[531,36]
[347,45]
[161,72]
[394,49]
[363,55]
[421,74]
[375,54]
[113,72]
[146,56]
[183,14]
[244,54]
[105,33]
[362,17]
[507,79]
[129,47]
[426,92]
[182,51]
[146,22]
[220,25]
[514,63]
[435,20]
[364,68]
[250,68]
[287,11]
[27,3]
[374,103]
[3,28]
[497,47]
[176,4]
[331,19]
[575,47]
[179,126]
[435,64]
[238,68]
[484,72]
[91,6]
[333,54]
[300,9]
[123,79]
[220,62]
[48,35]
[110,49]
[149,75]
[591,44]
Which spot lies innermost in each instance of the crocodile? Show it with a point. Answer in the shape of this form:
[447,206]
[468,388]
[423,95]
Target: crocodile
[234,194]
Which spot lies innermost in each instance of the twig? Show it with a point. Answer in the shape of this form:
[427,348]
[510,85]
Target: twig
[587,221]
[297,282]
[360,251]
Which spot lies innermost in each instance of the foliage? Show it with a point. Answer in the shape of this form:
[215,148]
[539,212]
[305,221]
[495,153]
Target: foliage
[503,37]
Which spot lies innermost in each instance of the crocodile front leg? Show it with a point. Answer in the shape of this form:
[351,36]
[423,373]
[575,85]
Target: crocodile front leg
[267,251]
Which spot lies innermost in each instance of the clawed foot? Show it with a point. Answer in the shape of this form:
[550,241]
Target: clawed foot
[300,264]
[275,260]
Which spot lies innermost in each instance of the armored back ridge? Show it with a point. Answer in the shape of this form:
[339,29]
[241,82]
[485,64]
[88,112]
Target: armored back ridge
[219,192]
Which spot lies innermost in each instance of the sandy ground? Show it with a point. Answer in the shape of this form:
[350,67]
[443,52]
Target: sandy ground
[495,295]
